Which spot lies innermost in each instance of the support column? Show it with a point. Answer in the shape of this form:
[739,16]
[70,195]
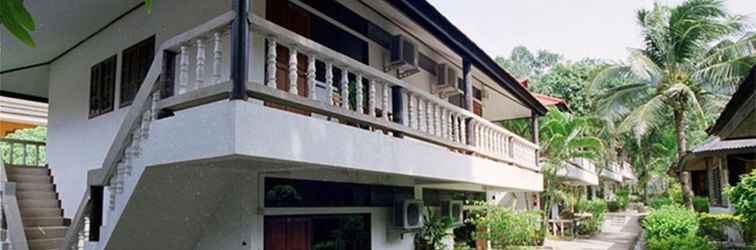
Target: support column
[239,50]
[397,106]
[467,80]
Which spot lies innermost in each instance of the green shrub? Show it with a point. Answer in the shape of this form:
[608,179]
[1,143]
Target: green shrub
[659,202]
[670,221]
[623,198]
[701,204]
[743,198]
[613,206]
[598,209]
[712,225]
[678,242]
[506,228]
[435,229]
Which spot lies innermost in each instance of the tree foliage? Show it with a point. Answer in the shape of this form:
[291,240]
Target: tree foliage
[677,72]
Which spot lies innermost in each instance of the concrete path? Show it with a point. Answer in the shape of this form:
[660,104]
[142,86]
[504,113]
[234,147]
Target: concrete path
[619,232]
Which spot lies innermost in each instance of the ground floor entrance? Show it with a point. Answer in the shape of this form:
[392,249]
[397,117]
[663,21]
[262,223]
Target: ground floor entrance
[318,232]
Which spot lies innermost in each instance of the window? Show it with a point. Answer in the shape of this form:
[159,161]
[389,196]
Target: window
[281,192]
[136,62]
[102,87]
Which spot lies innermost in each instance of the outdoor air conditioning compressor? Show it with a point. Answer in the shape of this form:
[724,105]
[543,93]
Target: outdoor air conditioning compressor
[454,210]
[408,214]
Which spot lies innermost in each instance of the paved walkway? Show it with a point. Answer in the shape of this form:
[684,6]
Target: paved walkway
[619,232]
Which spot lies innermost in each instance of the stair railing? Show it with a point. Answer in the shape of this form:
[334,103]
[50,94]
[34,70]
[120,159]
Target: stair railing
[139,114]
[10,214]
[23,152]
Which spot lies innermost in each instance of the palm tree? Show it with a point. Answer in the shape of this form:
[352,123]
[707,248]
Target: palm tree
[678,70]
[563,137]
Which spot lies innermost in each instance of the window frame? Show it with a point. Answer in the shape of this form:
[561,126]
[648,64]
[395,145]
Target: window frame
[102,80]
[128,68]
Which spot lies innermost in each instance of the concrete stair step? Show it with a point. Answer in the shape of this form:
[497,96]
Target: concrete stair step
[30,178]
[27,170]
[22,187]
[45,243]
[41,212]
[36,195]
[33,233]
[46,203]
[43,221]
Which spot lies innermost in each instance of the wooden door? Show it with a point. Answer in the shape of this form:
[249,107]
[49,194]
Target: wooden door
[297,20]
[288,233]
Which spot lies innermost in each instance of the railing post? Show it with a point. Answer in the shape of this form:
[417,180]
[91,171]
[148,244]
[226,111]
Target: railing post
[239,50]
[397,106]
[95,216]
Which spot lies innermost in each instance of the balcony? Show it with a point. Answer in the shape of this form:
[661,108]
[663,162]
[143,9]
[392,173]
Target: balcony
[578,172]
[613,172]
[383,105]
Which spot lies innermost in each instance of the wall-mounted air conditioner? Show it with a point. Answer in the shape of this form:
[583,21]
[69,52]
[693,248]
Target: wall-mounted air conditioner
[447,83]
[402,57]
[454,210]
[408,214]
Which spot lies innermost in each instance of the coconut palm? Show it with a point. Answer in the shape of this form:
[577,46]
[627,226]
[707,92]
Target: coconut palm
[563,137]
[687,60]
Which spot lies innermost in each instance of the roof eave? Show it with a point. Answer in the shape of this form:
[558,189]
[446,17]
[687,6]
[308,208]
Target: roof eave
[430,19]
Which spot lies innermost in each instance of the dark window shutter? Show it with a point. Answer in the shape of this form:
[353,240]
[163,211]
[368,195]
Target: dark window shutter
[102,87]
[136,62]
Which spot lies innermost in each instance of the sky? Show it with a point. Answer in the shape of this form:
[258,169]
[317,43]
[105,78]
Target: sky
[574,28]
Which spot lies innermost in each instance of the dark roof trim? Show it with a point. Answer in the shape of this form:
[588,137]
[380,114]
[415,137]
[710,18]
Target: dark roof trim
[745,91]
[82,41]
[23,96]
[434,22]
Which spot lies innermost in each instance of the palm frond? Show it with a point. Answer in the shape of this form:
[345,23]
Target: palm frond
[645,117]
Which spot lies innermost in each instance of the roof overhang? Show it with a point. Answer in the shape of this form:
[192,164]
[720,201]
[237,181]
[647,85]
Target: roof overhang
[738,119]
[425,15]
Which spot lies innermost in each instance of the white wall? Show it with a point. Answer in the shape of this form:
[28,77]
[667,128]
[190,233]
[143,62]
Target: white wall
[31,81]
[77,143]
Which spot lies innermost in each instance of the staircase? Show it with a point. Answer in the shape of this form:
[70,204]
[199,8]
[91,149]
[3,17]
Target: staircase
[39,205]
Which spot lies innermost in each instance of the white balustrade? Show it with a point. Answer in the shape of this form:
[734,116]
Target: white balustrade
[345,89]
[359,105]
[271,63]
[293,88]
[311,77]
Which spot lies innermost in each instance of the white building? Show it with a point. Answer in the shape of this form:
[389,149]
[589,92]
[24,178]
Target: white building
[195,125]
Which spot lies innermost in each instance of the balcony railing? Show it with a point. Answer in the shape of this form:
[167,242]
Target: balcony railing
[364,96]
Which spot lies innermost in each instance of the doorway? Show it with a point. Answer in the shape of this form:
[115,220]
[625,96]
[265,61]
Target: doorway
[318,232]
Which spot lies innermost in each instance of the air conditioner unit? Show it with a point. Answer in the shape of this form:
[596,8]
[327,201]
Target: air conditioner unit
[454,210]
[447,83]
[402,57]
[408,214]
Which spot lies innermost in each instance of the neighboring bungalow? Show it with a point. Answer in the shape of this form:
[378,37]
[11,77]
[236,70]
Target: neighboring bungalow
[217,125]
[730,152]
[21,111]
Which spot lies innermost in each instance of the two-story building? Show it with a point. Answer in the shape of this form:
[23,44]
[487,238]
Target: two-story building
[267,124]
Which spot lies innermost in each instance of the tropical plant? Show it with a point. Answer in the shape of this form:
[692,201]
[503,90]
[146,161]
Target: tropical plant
[680,242]
[743,197]
[713,225]
[434,231]
[597,208]
[670,221]
[506,228]
[563,137]
[677,72]
[701,204]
